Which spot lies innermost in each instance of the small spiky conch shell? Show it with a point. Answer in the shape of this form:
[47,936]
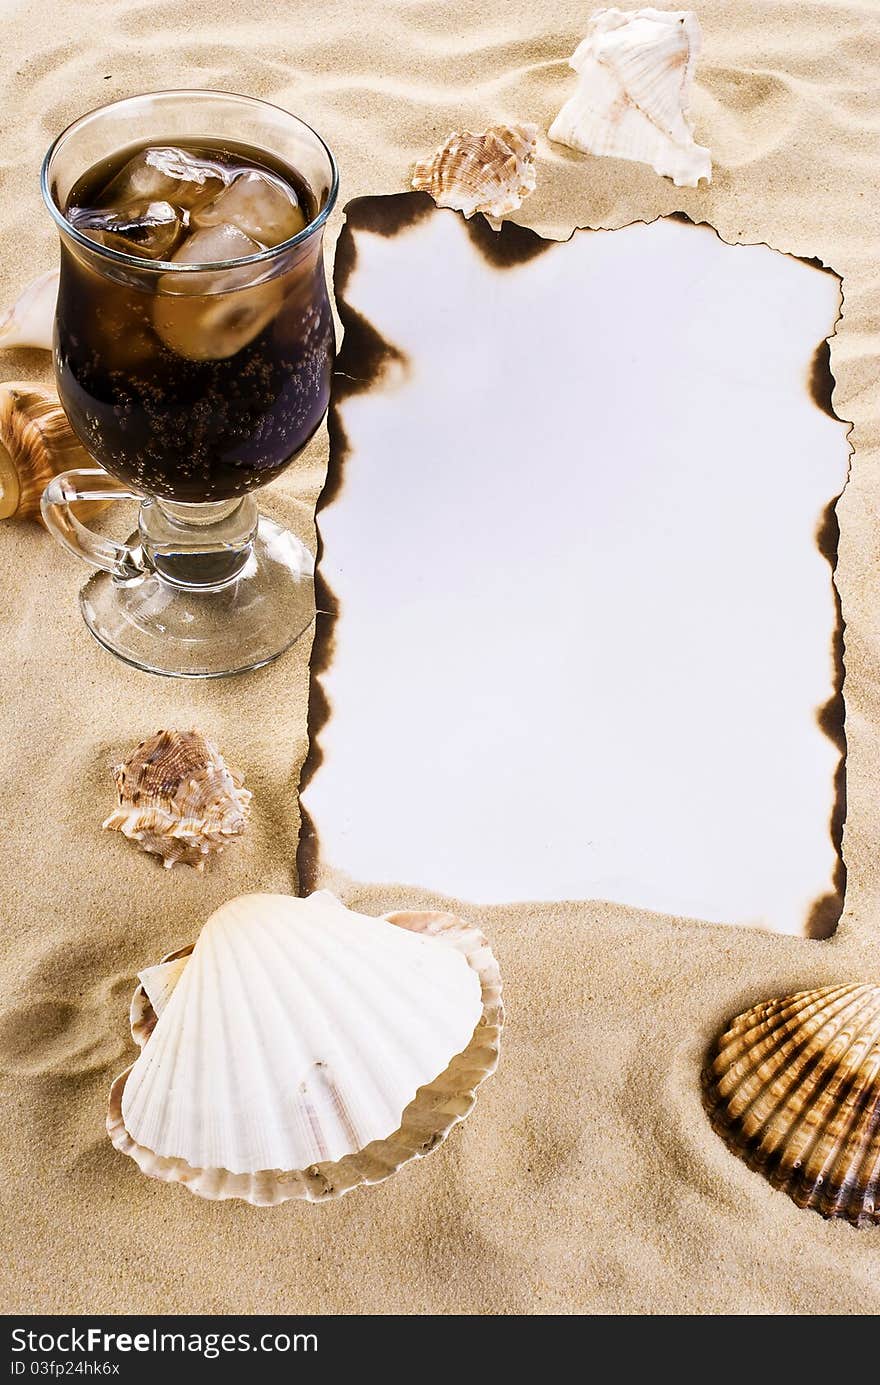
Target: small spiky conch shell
[794,1089]
[30,321]
[36,443]
[490,173]
[176,797]
[635,76]
[300,1049]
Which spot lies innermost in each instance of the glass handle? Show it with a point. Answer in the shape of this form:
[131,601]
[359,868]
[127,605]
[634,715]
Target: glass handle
[121,560]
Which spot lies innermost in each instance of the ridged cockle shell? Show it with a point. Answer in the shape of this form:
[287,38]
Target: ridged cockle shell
[794,1088]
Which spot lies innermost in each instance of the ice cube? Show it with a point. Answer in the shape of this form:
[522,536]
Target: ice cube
[214,244]
[150,230]
[166,174]
[257,203]
[210,316]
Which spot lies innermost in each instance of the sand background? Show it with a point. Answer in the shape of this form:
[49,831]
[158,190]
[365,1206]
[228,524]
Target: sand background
[587,1179]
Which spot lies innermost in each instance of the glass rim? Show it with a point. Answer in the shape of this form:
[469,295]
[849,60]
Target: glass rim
[171,266]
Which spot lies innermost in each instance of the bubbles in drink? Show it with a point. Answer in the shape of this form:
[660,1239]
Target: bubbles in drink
[258,204]
[150,229]
[194,384]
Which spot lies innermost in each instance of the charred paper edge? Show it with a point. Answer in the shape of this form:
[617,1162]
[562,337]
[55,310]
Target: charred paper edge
[365,356]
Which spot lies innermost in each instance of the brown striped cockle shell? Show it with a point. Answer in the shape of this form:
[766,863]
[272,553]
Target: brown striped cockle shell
[490,173]
[176,797]
[36,443]
[794,1088]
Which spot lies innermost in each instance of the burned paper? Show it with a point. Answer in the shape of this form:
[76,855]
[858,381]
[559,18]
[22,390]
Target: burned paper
[578,541]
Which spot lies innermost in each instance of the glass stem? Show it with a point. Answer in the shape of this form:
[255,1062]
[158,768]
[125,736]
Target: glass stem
[197,545]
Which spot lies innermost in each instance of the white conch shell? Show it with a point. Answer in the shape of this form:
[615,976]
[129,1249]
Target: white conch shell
[490,173]
[177,797]
[636,71]
[299,1033]
[31,319]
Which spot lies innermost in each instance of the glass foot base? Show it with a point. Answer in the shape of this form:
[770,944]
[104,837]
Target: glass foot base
[208,632]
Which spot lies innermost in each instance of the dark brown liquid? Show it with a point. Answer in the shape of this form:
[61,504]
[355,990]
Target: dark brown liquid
[180,390]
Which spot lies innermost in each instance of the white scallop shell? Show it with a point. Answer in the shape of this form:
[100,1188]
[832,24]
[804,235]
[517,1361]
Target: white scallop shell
[296,1039]
[636,71]
[30,321]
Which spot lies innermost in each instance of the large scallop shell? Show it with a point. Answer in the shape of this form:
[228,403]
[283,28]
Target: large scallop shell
[490,173]
[176,797]
[635,74]
[303,1049]
[794,1089]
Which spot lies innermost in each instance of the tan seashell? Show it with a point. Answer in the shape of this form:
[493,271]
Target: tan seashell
[154,992]
[36,443]
[794,1089]
[31,319]
[425,1122]
[177,798]
[635,75]
[489,173]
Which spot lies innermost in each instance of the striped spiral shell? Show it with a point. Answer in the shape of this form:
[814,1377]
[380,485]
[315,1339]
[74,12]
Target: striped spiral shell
[36,443]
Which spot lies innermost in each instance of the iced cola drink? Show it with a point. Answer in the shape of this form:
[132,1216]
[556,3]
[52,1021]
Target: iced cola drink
[194,384]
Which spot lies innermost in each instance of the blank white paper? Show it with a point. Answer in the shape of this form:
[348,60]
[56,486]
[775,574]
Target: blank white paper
[585,629]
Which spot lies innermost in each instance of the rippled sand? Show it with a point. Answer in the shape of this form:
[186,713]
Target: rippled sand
[587,1179]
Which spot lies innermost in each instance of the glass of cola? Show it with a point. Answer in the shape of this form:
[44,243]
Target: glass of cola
[193,354]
